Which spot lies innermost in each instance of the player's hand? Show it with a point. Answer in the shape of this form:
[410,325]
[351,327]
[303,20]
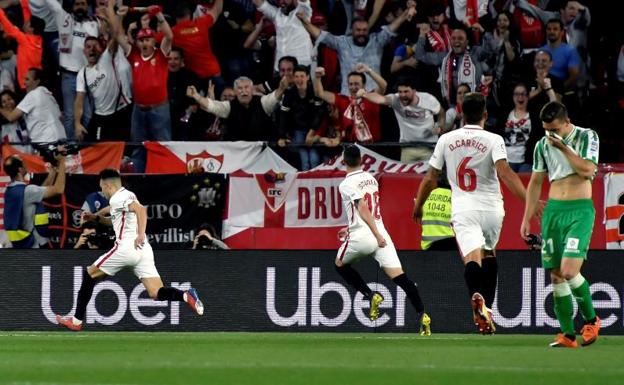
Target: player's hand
[86,217]
[381,242]
[139,241]
[556,141]
[342,234]
[525,229]
[416,212]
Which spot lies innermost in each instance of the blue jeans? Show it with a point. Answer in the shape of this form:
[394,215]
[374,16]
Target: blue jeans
[149,124]
[309,155]
[68,87]
[521,167]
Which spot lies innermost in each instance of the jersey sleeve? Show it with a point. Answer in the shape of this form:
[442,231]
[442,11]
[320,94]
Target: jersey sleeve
[127,201]
[437,159]
[499,151]
[351,192]
[590,146]
[539,162]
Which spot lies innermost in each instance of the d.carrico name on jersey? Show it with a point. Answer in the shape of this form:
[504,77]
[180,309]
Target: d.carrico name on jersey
[481,147]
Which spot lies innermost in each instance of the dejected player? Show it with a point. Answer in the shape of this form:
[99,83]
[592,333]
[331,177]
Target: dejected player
[475,160]
[366,236]
[131,250]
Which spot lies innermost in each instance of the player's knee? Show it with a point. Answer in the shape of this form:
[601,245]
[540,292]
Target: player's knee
[568,274]
[557,277]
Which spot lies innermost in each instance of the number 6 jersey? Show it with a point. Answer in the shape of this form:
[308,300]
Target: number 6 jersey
[470,154]
[360,185]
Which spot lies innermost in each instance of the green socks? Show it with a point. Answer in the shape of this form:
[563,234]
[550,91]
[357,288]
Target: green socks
[580,290]
[564,308]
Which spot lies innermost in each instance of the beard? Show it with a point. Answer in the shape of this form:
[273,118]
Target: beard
[80,15]
[360,41]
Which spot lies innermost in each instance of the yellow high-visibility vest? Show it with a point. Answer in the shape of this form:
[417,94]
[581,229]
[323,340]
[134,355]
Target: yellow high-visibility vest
[436,218]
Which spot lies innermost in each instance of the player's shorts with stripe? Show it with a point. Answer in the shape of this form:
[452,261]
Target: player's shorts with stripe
[125,255]
[362,243]
[477,229]
[566,230]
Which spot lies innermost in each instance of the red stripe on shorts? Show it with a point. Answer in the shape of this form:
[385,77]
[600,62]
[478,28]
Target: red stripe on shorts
[111,252]
[123,222]
[344,250]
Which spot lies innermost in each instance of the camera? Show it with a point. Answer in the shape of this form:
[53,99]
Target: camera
[100,240]
[203,242]
[51,150]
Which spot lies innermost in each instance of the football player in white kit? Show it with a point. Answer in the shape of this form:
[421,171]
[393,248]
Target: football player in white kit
[366,236]
[131,250]
[474,160]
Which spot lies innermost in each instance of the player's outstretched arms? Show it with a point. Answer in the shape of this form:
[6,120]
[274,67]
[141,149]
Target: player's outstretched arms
[370,221]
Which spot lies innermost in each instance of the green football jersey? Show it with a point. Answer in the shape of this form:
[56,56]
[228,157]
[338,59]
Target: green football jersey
[546,157]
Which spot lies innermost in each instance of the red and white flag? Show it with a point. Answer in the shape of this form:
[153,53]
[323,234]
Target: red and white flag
[614,210]
[375,164]
[215,157]
[89,160]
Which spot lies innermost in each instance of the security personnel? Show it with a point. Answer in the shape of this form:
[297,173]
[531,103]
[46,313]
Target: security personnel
[25,219]
[437,233]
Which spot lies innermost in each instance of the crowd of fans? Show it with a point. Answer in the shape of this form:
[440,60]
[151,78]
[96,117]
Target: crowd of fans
[305,75]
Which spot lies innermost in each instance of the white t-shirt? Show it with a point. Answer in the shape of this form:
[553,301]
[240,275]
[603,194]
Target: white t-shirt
[360,185]
[470,154]
[517,130]
[103,85]
[416,121]
[124,221]
[42,116]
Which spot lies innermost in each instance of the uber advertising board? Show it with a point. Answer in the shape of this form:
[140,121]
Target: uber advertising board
[291,291]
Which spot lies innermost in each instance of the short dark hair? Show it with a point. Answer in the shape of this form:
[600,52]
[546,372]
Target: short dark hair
[406,81]
[89,225]
[473,107]
[10,93]
[553,111]
[291,59]
[555,21]
[358,19]
[302,68]
[12,165]
[109,173]
[208,227]
[547,53]
[38,25]
[38,72]
[351,155]
[178,50]
[89,38]
[355,73]
[183,9]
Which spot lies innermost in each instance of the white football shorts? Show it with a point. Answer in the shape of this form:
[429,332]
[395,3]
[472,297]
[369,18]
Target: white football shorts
[477,229]
[362,243]
[124,255]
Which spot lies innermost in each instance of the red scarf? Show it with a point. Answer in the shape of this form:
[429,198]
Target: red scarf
[360,131]
[440,43]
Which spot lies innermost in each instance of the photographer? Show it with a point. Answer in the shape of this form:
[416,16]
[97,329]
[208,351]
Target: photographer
[94,236]
[25,218]
[88,238]
[207,240]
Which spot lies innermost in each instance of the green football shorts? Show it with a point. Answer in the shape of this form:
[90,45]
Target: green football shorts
[566,230]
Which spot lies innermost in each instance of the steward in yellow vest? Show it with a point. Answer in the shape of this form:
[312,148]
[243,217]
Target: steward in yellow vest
[437,233]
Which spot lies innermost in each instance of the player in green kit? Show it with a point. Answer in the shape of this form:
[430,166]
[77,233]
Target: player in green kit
[569,154]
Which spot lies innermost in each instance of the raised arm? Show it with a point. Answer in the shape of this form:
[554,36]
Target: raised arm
[9,28]
[118,31]
[216,9]
[374,97]
[406,15]
[431,58]
[319,91]
[217,108]
[59,182]
[312,29]
[269,10]
[165,44]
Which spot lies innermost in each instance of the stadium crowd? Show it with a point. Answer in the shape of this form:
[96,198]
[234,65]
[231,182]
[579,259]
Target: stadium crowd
[304,75]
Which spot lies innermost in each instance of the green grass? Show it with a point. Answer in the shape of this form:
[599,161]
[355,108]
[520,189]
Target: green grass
[116,358]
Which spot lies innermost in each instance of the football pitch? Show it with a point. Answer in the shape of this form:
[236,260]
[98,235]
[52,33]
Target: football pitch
[116,358]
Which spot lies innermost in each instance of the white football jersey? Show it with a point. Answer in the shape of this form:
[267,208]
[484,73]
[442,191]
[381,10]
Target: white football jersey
[470,154]
[124,221]
[360,185]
